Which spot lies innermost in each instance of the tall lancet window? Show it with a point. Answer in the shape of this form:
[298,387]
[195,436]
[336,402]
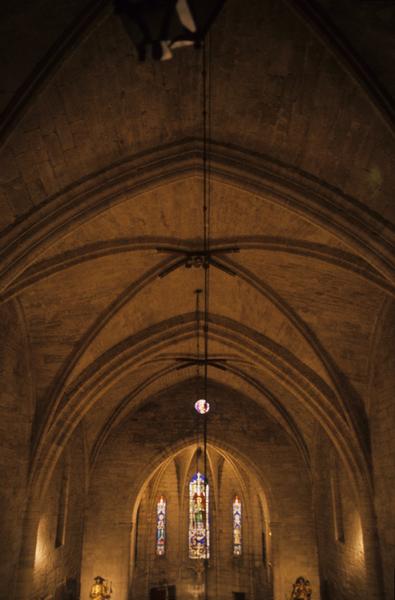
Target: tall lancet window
[236,527]
[161,527]
[199,533]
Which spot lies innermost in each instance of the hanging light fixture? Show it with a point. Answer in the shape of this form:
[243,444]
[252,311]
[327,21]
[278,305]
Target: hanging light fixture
[156,27]
[202,406]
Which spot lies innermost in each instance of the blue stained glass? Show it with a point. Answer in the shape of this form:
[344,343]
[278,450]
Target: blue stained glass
[199,532]
[236,527]
[161,527]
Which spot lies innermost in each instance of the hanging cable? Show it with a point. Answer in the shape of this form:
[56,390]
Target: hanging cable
[206,109]
[206,195]
[197,314]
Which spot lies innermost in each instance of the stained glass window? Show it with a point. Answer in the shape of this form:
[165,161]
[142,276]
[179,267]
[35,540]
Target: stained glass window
[199,533]
[161,526]
[236,527]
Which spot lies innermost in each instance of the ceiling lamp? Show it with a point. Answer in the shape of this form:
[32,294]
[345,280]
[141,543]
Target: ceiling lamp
[202,406]
[156,27]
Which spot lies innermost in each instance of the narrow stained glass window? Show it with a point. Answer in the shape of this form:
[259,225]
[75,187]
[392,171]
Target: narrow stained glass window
[161,526]
[199,533]
[236,527]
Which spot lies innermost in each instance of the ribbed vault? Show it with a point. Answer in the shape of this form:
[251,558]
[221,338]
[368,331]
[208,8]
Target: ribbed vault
[101,207]
[275,304]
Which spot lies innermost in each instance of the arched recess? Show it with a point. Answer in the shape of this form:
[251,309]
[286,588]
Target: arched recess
[364,231]
[226,471]
[97,559]
[53,521]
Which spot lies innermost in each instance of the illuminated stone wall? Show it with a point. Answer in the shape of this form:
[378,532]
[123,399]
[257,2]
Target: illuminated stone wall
[339,530]
[16,412]
[382,412]
[57,556]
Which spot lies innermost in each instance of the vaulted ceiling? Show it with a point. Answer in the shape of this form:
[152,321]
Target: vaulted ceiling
[101,196]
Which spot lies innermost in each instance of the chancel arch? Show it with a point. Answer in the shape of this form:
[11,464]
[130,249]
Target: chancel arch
[174,568]
[228,472]
[153,459]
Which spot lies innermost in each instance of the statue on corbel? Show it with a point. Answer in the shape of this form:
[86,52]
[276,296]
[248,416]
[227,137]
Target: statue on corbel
[101,589]
[301,589]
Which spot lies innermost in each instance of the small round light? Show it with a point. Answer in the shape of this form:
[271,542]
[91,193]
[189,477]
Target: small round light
[202,407]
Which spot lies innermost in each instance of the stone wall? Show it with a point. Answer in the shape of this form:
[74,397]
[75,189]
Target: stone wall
[16,408]
[382,415]
[57,559]
[339,528]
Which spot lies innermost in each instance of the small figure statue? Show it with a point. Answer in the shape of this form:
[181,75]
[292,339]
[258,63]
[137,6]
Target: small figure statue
[301,589]
[100,589]
[199,510]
